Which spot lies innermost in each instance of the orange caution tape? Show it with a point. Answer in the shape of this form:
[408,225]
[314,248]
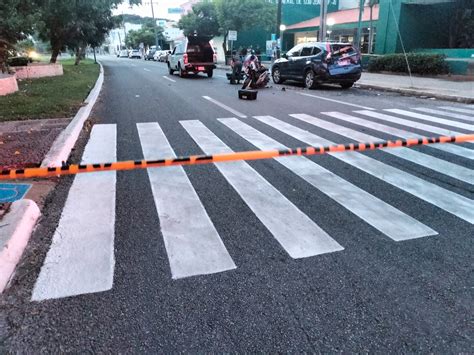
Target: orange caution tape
[10,174]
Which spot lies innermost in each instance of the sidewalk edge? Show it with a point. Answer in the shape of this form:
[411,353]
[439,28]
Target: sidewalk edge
[16,228]
[418,92]
[65,142]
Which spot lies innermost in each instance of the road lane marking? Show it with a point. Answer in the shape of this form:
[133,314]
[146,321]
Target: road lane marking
[191,240]
[81,257]
[222,76]
[382,216]
[169,79]
[445,113]
[225,107]
[337,101]
[440,166]
[457,109]
[451,148]
[295,231]
[451,202]
[443,121]
[145,69]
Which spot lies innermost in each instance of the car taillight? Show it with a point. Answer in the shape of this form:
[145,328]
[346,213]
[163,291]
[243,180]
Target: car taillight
[185,58]
[215,58]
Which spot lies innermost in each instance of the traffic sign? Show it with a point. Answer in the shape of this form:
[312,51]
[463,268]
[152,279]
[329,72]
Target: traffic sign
[232,36]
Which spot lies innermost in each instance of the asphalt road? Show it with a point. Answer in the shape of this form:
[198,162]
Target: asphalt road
[375,295]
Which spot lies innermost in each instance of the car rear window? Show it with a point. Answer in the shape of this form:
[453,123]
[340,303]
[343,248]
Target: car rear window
[343,50]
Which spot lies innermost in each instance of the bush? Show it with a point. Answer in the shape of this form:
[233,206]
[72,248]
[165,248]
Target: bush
[19,61]
[420,63]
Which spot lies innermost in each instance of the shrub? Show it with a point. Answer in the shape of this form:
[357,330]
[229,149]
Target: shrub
[420,63]
[18,61]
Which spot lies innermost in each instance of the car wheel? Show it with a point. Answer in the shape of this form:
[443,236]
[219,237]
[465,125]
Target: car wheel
[346,86]
[210,73]
[277,76]
[182,73]
[310,79]
[170,71]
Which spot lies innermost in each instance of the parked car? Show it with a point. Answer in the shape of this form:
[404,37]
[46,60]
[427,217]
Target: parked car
[135,53]
[149,55]
[319,62]
[194,55]
[123,53]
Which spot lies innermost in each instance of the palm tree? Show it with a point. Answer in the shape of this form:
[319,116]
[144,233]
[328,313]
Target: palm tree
[371,4]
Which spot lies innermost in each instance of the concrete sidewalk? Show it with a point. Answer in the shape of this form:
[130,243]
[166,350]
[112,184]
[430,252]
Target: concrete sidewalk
[461,91]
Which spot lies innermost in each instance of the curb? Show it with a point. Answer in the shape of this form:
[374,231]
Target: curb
[418,92]
[65,142]
[15,231]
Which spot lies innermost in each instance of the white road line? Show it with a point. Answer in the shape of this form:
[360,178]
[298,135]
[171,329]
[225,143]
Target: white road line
[169,79]
[145,69]
[337,101]
[295,231]
[443,121]
[192,242]
[222,76]
[451,202]
[382,216]
[441,166]
[225,107]
[81,258]
[450,148]
[457,109]
[445,113]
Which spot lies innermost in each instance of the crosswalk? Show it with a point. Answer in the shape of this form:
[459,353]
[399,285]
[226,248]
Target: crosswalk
[81,257]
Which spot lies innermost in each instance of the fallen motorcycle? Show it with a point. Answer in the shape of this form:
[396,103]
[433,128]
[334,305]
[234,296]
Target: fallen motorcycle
[257,75]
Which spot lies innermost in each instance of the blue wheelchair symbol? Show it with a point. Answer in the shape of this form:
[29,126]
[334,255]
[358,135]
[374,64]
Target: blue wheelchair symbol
[13,192]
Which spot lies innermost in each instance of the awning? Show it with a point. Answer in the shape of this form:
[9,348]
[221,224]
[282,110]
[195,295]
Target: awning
[427,2]
[339,18]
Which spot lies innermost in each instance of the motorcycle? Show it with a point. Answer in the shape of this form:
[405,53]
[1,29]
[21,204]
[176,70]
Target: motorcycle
[257,75]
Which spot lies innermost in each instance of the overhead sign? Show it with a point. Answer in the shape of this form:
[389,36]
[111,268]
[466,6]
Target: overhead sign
[232,36]
[161,23]
[175,10]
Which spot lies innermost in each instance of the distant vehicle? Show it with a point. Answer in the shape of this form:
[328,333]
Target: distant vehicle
[135,53]
[194,55]
[123,53]
[319,62]
[149,54]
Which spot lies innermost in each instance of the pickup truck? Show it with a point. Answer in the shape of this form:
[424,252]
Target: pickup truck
[194,55]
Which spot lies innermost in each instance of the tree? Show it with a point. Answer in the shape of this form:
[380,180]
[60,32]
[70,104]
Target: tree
[241,15]
[202,20]
[75,22]
[17,18]
[461,29]
[145,36]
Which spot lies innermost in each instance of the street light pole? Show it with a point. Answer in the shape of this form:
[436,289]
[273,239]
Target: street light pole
[322,20]
[359,26]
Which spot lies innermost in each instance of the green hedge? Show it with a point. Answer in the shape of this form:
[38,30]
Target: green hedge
[420,63]
[19,61]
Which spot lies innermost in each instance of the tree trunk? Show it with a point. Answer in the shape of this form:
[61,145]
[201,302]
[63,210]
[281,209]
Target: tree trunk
[78,55]
[95,59]
[56,48]
[224,47]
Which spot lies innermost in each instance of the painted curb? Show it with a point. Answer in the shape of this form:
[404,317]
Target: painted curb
[418,92]
[65,142]
[15,231]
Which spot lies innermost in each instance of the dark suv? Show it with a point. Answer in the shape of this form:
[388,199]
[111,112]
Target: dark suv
[319,62]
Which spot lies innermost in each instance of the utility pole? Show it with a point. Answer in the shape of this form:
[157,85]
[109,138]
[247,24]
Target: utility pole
[322,20]
[154,25]
[278,32]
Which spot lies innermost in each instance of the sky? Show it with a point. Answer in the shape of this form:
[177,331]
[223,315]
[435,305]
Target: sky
[160,7]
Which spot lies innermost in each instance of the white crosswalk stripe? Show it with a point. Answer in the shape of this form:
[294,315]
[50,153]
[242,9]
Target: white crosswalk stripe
[456,204]
[445,113]
[439,165]
[450,148]
[192,243]
[458,109]
[374,211]
[466,126]
[81,257]
[295,231]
